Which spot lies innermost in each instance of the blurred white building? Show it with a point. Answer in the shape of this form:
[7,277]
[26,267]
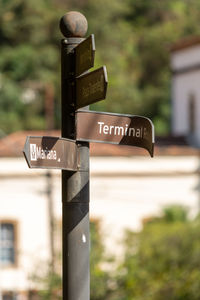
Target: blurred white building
[126,187]
[185,65]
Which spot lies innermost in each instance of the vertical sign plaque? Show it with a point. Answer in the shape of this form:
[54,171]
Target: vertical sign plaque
[84,55]
[91,87]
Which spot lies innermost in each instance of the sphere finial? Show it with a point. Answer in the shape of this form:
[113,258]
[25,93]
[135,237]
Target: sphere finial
[73,24]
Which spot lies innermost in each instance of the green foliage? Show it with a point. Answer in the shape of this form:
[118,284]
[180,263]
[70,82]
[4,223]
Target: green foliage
[49,282]
[52,284]
[29,58]
[175,213]
[138,58]
[133,39]
[163,260]
[160,262]
[99,288]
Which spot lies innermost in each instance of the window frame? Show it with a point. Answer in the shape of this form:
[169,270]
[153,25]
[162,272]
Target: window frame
[15,232]
[9,294]
[192,114]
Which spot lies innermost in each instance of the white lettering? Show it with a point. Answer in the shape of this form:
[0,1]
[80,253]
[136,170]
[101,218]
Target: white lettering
[138,132]
[33,151]
[126,130]
[131,131]
[45,154]
[118,129]
[38,152]
[100,123]
[111,127]
[105,129]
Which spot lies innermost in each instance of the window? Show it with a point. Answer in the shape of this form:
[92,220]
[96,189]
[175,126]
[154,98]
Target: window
[9,296]
[33,295]
[7,244]
[191,111]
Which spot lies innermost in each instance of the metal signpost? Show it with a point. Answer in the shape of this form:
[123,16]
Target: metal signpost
[71,152]
[75,185]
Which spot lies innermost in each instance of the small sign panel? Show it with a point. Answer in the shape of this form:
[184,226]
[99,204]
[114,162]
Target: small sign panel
[51,153]
[84,55]
[115,129]
[91,87]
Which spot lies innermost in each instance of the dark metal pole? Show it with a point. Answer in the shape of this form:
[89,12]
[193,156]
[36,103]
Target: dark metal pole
[75,185]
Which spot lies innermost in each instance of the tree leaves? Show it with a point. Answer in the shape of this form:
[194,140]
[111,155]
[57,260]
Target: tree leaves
[132,39]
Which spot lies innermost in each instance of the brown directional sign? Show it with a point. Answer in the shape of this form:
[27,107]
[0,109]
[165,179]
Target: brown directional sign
[91,87]
[51,153]
[84,55]
[115,129]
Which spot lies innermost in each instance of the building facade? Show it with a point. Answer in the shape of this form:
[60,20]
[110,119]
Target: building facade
[185,65]
[123,192]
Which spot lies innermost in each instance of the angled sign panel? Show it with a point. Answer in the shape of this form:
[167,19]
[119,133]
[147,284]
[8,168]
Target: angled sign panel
[51,153]
[84,55]
[115,129]
[91,87]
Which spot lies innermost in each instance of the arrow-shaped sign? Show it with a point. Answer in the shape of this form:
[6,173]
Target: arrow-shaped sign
[84,55]
[91,87]
[51,153]
[115,129]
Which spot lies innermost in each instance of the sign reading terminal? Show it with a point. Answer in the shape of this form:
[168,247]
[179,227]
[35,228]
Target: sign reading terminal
[115,129]
[122,131]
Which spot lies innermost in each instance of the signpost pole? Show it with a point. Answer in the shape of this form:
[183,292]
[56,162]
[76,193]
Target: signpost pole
[71,152]
[75,185]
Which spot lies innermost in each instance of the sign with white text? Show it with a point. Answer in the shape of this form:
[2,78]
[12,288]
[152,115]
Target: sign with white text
[115,129]
[51,153]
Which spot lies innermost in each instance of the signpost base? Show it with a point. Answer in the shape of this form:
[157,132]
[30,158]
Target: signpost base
[76,276]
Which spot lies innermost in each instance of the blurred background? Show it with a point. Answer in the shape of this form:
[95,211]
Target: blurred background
[145,226]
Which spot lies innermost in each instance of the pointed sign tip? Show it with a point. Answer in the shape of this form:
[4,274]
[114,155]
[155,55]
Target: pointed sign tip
[47,152]
[26,152]
[151,152]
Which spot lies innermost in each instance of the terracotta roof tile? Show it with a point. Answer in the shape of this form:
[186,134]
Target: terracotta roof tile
[13,144]
[185,43]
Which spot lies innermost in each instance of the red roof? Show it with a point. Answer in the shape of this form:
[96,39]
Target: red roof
[185,43]
[13,144]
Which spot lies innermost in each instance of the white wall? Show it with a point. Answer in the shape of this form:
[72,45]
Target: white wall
[184,58]
[123,191]
[23,201]
[183,86]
